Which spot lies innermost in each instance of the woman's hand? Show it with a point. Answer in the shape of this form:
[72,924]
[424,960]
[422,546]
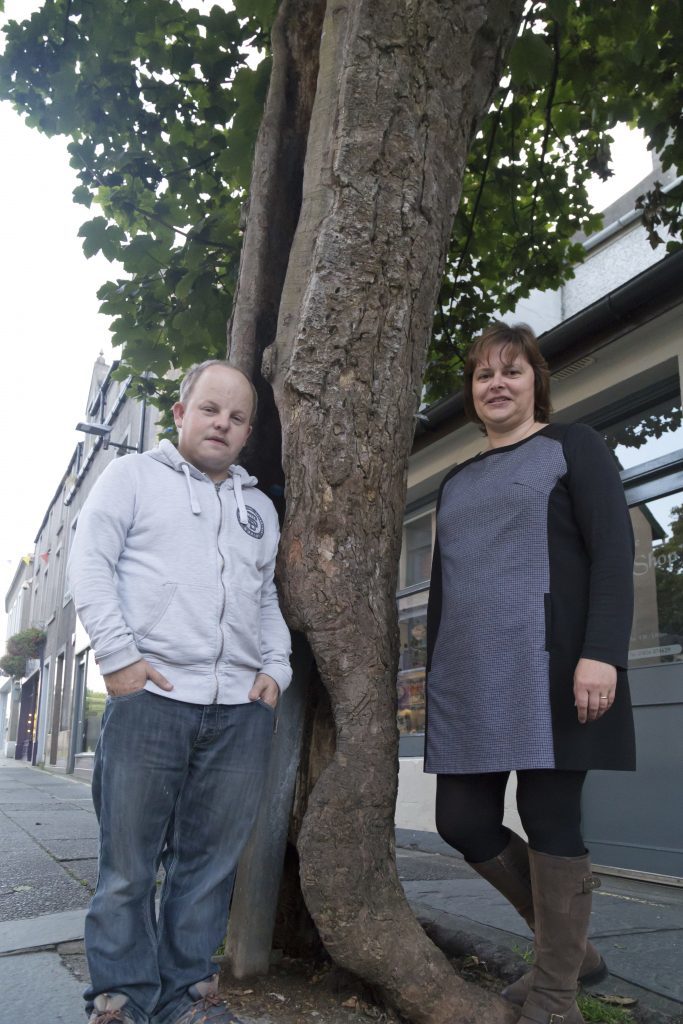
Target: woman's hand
[595,684]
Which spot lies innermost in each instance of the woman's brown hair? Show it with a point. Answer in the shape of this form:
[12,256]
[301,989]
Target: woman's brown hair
[521,341]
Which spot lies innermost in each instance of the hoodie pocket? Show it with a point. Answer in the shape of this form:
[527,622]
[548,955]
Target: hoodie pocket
[160,605]
[184,627]
[244,623]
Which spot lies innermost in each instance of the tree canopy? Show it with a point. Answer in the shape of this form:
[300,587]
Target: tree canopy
[372,112]
[162,102]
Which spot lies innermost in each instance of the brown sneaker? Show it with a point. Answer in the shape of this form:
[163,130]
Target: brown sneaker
[208,1007]
[110,1008]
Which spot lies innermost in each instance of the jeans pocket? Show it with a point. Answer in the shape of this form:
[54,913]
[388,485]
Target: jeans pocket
[273,711]
[121,697]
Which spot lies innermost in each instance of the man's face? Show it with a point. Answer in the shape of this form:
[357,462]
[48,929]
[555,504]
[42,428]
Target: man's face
[213,425]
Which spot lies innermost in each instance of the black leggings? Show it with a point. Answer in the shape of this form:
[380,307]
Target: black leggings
[469,812]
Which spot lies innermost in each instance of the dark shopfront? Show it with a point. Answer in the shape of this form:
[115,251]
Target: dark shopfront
[26,729]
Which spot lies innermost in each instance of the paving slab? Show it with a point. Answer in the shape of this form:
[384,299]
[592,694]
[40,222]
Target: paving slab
[36,932]
[472,899]
[58,999]
[414,865]
[25,863]
[60,993]
[39,792]
[85,870]
[32,881]
[11,836]
[648,960]
[26,901]
[73,849]
[73,825]
[24,798]
[46,808]
[78,800]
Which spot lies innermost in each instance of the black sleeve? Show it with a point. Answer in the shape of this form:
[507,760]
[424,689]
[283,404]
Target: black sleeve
[602,516]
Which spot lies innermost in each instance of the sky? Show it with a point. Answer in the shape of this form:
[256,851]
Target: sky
[51,332]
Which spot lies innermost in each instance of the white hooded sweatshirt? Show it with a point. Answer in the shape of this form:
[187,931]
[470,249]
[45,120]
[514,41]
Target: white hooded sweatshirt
[170,567]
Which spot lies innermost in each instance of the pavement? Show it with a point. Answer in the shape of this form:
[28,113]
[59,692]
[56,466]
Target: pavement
[48,868]
[637,925]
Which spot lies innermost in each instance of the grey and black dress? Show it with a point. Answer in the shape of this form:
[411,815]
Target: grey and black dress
[533,569]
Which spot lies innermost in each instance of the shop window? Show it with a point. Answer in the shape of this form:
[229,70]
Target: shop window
[657,634]
[416,552]
[412,620]
[94,695]
[414,573]
[645,432]
[644,425]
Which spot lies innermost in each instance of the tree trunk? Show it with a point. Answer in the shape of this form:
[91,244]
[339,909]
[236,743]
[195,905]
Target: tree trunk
[400,89]
[273,213]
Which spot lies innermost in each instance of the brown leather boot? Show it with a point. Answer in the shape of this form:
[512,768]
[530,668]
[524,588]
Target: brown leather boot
[562,889]
[509,874]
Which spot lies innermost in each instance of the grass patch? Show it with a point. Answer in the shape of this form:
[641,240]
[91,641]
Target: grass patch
[526,953]
[596,1012]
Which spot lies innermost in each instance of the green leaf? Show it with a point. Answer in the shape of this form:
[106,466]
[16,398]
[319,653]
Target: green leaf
[94,233]
[262,11]
[531,59]
[82,195]
[557,9]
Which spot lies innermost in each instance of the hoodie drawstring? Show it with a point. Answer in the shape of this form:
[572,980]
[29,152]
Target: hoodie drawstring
[241,507]
[236,474]
[194,504]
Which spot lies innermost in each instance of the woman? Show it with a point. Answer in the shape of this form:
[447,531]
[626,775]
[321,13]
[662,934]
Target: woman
[529,616]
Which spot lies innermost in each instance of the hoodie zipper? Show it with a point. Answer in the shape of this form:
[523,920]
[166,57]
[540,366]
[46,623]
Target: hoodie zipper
[225,596]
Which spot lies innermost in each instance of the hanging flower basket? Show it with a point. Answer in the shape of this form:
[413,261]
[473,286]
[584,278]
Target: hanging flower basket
[13,665]
[27,644]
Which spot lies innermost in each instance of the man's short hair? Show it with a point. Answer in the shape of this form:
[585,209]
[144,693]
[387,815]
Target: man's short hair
[194,373]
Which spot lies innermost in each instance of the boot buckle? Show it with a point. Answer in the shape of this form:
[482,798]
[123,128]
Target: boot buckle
[591,882]
[556,1018]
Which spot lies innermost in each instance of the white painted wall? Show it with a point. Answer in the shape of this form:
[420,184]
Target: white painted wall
[607,267]
[541,311]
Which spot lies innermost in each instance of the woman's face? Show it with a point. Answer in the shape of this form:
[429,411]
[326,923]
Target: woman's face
[503,389]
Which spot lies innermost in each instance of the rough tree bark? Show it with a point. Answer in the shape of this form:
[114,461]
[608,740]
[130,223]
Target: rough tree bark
[400,87]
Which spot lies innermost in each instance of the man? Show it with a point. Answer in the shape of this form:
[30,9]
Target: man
[172,573]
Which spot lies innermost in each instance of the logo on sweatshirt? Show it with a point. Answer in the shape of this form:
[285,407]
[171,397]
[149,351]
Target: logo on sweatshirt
[254,527]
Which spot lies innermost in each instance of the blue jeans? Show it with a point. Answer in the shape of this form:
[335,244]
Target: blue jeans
[178,783]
